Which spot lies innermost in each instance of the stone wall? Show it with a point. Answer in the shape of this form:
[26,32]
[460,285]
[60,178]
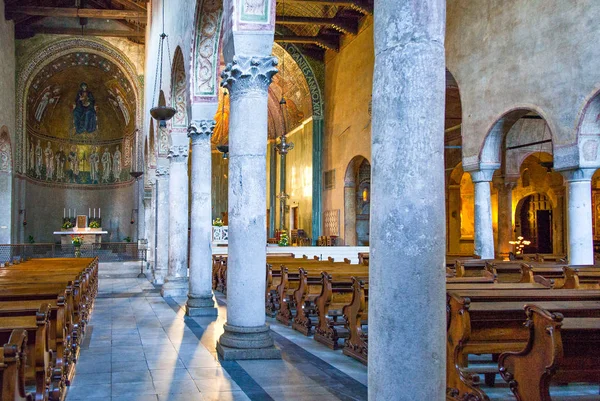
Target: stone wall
[7,122]
[349,81]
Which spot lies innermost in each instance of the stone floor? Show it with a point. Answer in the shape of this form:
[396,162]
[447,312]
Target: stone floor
[141,347]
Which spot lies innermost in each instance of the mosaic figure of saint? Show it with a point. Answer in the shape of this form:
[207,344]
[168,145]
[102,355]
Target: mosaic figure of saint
[117,164]
[106,165]
[60,164]
[41,108]
[84,111]
[74,163]
[38,160]
[31,157]
[49,155]
[94,165]
[123,108]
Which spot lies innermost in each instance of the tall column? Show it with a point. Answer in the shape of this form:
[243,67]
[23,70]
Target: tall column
[350,213]
[484,231]
[407,203]
[161,215]
[246,334]
[505,214]
[579,216]
[272,190]
[558,221]
[176,283]
[200,297]
[149,218]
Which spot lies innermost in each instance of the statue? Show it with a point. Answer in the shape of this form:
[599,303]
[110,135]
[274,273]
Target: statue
[84,111]
[106,166]
[94,164]
[117,165]
[38,160]
[49,162]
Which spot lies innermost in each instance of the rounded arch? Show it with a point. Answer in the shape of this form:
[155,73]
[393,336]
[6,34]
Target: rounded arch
[48,53]
[357,194]
[588,132]
[490,153]
[6,165]
[179,98]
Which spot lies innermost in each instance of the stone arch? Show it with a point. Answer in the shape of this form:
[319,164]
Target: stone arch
[48,53]
[355,182]
[588,132]
[6,165]
[179,98]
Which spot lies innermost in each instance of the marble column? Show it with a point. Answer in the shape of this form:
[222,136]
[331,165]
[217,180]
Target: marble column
[246,334]
[149,219]
[200,297]
[579,216]
[176,283]
[161,213]
[350,213]
[484,231]
[558,221]
[505,215]
[407,351]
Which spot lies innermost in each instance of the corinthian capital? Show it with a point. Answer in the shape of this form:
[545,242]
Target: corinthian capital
[200,129]
[247,74]
[178,153]
[162,171]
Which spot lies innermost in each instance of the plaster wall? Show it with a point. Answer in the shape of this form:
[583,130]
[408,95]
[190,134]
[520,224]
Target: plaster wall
[535,54]
[7,119]
[45,210]
[349,78]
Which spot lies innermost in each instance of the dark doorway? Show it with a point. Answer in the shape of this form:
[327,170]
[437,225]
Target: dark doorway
[534,223]
[544,231]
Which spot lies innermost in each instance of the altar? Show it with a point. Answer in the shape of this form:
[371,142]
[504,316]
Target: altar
[89,236]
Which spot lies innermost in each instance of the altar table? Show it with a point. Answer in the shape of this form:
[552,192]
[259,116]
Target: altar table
[89,236]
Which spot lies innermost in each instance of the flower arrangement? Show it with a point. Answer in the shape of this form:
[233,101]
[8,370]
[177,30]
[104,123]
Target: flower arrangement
[218,222]
[94,224]
[67,224]
[76,240]
[127,239]
[284,240]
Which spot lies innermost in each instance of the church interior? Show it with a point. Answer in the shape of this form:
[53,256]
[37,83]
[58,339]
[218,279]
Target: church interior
[252,168]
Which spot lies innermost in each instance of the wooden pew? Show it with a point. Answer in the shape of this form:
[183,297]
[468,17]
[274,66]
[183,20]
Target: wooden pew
[558,349]
[363,258]
[491,322]
[13,357]
[220,268]
[356,315]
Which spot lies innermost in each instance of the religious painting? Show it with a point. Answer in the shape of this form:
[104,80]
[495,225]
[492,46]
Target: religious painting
[84,111]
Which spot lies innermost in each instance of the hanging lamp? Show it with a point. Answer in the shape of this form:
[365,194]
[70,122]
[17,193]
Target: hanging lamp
[224,148]
[161,112]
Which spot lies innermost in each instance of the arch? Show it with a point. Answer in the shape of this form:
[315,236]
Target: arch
[533,221]
[588,132]
[490,154]
[6,165]
[48,53]
[357,179]
[179,98]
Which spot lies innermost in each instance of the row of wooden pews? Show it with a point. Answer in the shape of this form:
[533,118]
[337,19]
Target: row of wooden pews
[44,308]
[540,323]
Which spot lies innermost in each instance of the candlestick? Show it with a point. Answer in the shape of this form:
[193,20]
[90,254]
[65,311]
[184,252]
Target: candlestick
[69,212]
[99,212]
[94,212]
[64,212]
[89,211]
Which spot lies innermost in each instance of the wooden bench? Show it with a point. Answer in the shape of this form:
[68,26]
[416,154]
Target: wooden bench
[486,321]
[13,357]
[356,315]
[220,268]
[558,349]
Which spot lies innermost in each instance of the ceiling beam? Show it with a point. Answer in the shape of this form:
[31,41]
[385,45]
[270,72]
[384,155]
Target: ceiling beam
[329,43]
[357,5]
[78,12]
[131,5]
[32,30]
[344,25]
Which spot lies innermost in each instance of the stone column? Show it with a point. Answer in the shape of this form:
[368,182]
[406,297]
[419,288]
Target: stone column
[579,216]
[176,283]
[558,221]
[246,334]
[200,297]
[350,213]
[161,213]
[505,215]
[484,231]
[407,204]
[149,218]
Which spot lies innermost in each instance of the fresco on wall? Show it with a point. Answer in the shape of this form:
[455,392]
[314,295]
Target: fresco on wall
[80,122]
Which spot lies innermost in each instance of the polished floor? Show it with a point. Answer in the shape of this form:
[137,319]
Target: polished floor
[141,347]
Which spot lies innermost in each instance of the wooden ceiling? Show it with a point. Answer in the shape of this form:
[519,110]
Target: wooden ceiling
[30,16]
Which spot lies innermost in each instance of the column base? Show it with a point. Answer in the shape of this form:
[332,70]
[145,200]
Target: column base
[200,306]
[175,287]
[238,343]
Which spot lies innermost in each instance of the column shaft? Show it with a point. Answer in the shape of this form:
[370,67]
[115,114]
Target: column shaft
[350,214]
[484,231]
[200,298]
[246,335]
[505,223]
[176,283]
[579,214]
[407,350]
[161,214]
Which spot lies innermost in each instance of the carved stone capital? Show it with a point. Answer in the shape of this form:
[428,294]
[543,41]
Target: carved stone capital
[178,153]
[249,74]
[201,129]
[578,175]
[483,175]
[162,171]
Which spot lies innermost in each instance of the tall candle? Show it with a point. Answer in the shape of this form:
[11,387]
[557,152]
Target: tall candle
[89,211]
[69,212]
[99,213]
[94,212]
[64,212]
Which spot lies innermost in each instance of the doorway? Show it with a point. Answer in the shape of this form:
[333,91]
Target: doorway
[534,223]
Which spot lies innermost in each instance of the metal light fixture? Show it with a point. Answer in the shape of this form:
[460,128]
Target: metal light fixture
[161,112]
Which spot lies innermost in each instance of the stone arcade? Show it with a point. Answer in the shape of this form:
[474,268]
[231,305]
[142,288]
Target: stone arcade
[435,162]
